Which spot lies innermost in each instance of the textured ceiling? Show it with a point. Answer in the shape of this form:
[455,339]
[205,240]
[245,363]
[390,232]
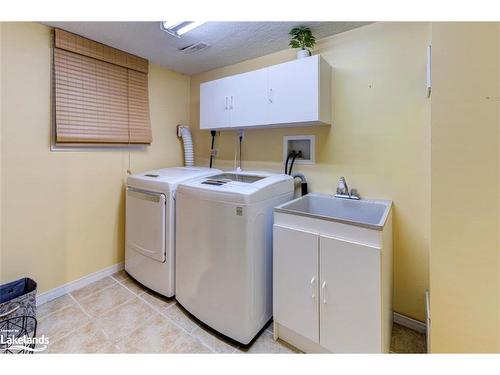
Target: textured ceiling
[230,42]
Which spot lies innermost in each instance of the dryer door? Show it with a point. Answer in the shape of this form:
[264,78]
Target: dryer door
[145,223]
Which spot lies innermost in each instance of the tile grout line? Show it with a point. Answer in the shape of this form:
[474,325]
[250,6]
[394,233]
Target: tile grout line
[159,311]
[106,288]
[73,298]
[78,305]
[93,293]
[77,328]
[55,311]
[117,341]
[69,294]
[95,320]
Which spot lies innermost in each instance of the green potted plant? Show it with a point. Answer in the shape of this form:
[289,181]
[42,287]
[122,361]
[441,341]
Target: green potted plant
[302,38]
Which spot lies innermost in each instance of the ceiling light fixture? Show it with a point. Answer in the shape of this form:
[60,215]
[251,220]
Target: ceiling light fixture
[177,28]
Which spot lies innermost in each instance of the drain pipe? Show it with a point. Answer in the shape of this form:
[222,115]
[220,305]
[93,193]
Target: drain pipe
[303,183]
[184,132]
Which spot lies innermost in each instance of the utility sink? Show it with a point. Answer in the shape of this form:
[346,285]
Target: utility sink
[332,274]
[365,213]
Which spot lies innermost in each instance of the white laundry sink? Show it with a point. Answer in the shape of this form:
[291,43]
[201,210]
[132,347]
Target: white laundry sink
[332,274]
[367,213]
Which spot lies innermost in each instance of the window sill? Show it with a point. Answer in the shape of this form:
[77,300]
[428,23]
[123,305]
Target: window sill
[97,147]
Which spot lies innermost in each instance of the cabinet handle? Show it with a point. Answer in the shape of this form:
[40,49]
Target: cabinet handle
[323,287]
[231,103]
[313,295]
[270,95]
[225,102]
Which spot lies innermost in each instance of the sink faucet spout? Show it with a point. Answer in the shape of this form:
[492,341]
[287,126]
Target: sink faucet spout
[343,190]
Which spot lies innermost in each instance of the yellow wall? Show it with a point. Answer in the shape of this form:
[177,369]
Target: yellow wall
[465,223]
[63,212]
[380,139]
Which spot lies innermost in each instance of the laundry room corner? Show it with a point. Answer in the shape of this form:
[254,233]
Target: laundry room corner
[66,209]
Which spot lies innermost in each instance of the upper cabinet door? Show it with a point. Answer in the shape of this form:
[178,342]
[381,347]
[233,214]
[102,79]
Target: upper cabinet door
[214,104]
[248,100]
[294,91]
[350,307]
[295,281]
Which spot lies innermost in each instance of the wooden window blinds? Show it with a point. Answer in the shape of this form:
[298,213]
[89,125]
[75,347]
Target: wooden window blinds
[101,93]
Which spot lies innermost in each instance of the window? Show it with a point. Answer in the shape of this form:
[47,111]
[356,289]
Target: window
[100,94]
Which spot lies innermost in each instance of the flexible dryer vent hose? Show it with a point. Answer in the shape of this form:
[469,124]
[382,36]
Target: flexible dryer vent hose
[184,132]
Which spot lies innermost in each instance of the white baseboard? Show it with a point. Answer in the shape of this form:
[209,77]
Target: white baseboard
[77,284]
[407,322]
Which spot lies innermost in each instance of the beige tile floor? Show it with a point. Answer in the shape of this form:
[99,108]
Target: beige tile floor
[118,315]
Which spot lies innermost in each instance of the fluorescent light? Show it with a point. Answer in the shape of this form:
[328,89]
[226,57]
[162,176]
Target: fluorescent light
[169,24]
[177,28]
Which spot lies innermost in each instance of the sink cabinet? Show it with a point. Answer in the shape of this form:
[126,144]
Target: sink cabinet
[332,285]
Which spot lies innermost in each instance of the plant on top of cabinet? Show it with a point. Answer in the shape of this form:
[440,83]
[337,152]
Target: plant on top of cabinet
[302,38]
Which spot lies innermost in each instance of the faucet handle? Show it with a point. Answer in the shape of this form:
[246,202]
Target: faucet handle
[342,186]
[354,193]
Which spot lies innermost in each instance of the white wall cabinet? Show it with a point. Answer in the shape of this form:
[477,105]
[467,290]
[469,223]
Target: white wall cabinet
[214,109]
[295,93]
[332,285]
[248,101]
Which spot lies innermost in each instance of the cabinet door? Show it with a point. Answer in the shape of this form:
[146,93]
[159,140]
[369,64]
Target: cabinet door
[294,91]
[350,310]
[295,281]
[214,104]
[248,101]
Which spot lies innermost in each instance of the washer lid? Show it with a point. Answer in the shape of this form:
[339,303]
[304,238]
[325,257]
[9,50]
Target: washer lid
[239,187]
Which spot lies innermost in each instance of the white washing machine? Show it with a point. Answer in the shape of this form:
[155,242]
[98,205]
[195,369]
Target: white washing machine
[224,249]
[150,225]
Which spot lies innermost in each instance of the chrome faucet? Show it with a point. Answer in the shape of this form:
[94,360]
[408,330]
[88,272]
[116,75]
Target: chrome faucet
[343,190]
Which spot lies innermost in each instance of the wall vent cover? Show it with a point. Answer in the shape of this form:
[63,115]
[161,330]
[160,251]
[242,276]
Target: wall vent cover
[194,47]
